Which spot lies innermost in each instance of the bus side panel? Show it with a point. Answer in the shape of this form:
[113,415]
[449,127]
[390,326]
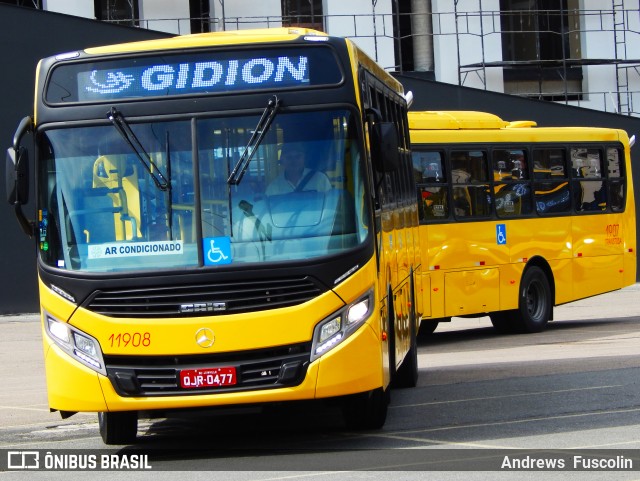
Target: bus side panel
[472,291]
[598,254]
[628,223]
[432,278]
[70,385]
[510,275]
[436,294]
[595,275]
[465,245]
[548,238]
[630,265]
[424,294]
[344,372]
[402,321]
[467,249]
[563,280]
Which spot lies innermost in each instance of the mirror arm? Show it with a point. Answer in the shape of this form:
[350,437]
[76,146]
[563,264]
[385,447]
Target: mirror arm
[25,126]
[28,226]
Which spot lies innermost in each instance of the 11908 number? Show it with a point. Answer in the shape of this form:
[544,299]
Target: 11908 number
[134,339]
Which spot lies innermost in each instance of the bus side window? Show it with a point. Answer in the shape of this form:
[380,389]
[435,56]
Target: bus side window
[433,202]
[551,185]
[512,190]
[588,187]
[433,193]
[616,181]
[470,184]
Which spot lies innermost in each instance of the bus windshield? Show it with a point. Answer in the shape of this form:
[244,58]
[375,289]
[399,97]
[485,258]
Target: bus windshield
[164,200]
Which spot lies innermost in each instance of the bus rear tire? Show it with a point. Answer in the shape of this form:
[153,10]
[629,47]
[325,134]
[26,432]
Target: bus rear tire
[535,303]
[367,410]
[118,427]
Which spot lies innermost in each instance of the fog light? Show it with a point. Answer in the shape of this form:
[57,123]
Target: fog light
[85,344]
[330,329]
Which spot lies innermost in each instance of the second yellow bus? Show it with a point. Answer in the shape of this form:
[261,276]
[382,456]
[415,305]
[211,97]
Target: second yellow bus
[516,219]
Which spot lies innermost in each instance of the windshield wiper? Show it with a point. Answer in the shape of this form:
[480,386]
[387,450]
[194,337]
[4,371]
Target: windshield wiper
[121,125]
[256,138]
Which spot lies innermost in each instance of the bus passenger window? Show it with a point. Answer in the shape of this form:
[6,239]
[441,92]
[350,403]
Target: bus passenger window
[551,187]
[586,163]
[470,177]
[614,166]
[428,167]
[509,165]
[513,199]
[430,178]
[589,195]
[616,183]
[511,191]
[616,195]
[433,203]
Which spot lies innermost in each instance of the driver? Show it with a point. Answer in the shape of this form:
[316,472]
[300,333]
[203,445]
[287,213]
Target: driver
[295,177]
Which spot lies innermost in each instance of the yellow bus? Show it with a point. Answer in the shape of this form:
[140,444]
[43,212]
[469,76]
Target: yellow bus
[220,219]
[516,219]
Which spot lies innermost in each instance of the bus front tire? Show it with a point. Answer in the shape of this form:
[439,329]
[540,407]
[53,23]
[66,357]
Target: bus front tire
[407,374]
[367,410]
[427,327]
[118,427]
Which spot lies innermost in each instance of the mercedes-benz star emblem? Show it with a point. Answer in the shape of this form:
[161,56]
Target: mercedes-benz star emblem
[205,337]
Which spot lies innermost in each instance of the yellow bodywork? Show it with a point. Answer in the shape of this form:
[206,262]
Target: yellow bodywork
[358,364]
[465,271]
[340,371]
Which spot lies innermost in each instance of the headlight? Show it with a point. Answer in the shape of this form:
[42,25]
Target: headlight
[340,325]
[79,345]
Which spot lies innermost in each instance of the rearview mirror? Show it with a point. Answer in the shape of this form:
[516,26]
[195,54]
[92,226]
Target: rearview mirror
[384,146]
[17,175]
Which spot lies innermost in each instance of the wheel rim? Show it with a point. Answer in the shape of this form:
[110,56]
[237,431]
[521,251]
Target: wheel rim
[536,301]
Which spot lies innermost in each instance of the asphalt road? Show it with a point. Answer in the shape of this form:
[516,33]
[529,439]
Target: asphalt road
[574,387]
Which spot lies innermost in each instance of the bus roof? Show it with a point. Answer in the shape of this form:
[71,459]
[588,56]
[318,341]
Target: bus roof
[470,126]
[454,120]
[281,34]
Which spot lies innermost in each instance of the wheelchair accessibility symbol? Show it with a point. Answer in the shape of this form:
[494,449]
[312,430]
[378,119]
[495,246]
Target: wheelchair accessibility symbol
[501,234]
[217,251]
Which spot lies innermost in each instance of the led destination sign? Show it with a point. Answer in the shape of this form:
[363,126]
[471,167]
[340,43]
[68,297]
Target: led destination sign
[198,73]
[208,76]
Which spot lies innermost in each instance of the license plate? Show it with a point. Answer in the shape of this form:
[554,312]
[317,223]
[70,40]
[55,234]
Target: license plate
[209,377]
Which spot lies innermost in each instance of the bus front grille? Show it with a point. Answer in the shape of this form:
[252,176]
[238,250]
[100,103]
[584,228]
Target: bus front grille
[207,299]
[160,375]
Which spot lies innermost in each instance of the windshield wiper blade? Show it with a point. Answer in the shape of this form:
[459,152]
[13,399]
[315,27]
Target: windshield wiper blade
[256,138]
[121,125]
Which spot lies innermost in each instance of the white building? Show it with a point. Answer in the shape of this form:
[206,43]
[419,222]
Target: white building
[579,52]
